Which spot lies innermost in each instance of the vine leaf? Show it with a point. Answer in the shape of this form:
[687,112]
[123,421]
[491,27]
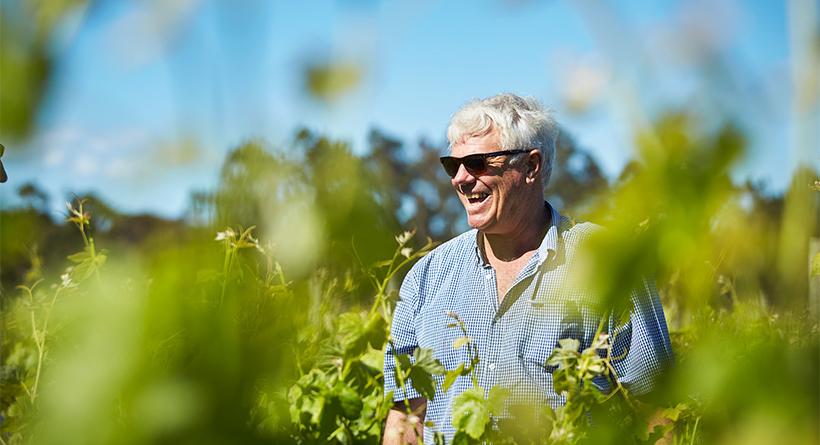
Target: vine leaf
[9,391]
[673,413]
[471,412]
[422,372]
[461,341]
[349,401]
[87,263]
[452,376]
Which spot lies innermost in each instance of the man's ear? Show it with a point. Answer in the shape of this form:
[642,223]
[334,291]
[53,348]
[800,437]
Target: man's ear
[534,165]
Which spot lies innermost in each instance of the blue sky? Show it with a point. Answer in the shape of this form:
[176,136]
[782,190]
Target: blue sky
[148,97]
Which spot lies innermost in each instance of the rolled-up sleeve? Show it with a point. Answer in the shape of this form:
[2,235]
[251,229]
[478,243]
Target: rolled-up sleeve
[641,350]
[403,336]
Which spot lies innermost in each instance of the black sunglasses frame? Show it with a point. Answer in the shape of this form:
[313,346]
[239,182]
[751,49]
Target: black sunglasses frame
[475,164]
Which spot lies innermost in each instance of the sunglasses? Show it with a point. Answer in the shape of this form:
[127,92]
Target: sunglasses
[475,164]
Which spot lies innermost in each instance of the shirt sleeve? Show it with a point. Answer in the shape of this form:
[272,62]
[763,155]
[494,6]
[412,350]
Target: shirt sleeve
[403,336]
[641,350]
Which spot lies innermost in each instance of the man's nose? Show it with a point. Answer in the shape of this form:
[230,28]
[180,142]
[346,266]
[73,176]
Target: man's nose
[462,176]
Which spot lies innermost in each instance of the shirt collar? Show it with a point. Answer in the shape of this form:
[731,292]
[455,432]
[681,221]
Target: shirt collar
[547,250]
[549,246]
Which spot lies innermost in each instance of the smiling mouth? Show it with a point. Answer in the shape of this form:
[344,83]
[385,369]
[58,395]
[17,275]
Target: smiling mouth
[475,198]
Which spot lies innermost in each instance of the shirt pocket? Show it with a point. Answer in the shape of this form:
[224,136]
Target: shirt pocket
[543,326]
[433,333]
[531,379]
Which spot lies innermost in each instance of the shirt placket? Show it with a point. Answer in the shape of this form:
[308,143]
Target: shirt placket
[489,357]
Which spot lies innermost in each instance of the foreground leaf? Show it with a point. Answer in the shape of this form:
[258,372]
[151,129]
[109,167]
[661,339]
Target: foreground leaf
[422,372]
[471,412]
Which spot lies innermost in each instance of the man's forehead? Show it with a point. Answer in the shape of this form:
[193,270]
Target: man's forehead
[480,143]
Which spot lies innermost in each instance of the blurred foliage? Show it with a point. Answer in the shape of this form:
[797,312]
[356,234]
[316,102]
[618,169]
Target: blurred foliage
[27,60]
[263,318]
[330,81]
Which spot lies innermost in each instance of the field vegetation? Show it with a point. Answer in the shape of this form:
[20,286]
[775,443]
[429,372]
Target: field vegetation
[263,315]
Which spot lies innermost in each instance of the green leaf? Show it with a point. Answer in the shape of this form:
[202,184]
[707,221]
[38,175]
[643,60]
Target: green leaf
[352,327]
[341,436]
[376,331]
[358,333]
[380,264]
[815,265]
[497,398]
[386,406]
[461,341]
[422,372]
[350,402]
[569,344]
[460,438]
[404,361]
[556,358]
[673,413]
[373,358]
[471,412]
[425,360]
[451,377]
[315,408]
[86,263]
[79,257]
[9,391]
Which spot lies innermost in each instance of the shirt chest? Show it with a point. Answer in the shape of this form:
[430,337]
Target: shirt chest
[525,326]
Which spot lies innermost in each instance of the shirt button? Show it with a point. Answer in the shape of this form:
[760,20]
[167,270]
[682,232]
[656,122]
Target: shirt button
[488,276]
[492,366]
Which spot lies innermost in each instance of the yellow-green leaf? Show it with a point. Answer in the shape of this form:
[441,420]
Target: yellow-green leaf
[461,341]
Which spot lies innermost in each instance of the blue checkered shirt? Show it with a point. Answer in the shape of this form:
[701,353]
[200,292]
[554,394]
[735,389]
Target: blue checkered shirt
[515,337]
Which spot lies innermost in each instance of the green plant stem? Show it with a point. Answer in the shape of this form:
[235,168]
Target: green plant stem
[93,252]
[226,268]
[88,241]
[473,352]
[41,343]
[281,275]
[403,385]
[694,431]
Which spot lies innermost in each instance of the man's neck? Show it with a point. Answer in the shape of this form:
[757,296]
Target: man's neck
[525,239]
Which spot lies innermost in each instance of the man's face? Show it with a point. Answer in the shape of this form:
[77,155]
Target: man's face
[495,201]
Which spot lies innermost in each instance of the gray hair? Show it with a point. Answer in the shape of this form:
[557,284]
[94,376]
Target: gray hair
[522,123]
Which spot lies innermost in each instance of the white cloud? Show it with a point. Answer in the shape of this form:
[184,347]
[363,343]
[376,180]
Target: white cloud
[86,166]
[71,138]
[54,156]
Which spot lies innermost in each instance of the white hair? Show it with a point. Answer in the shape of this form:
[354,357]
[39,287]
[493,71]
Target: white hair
[522,123]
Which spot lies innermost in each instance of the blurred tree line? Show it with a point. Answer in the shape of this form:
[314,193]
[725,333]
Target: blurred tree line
[321,206]
[316,197]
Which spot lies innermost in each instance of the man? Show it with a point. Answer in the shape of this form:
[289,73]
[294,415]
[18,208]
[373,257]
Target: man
[513,280]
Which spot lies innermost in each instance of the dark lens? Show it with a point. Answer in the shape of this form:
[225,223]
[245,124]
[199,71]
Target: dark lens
[475,164]
[450,165]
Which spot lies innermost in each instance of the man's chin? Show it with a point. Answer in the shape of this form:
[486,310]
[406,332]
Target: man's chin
[480,225]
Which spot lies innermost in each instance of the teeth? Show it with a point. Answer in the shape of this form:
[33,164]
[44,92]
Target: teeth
[475,195]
